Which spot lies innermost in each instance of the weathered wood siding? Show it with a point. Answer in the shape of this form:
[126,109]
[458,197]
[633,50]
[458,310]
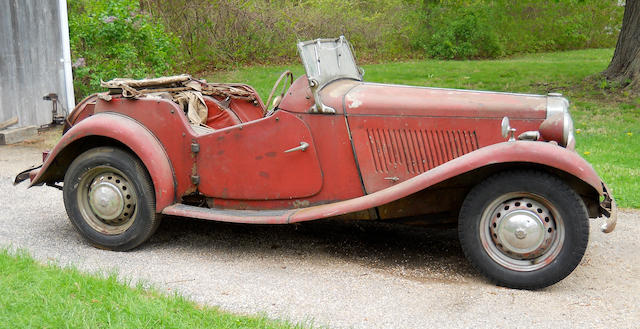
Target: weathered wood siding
[30,60]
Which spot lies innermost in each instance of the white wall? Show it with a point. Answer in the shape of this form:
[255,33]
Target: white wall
[32,61]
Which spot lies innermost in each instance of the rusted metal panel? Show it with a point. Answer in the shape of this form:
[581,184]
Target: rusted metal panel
[534,152]
[333,94]
[251,161]
[383,146]
[136,137]
[298,98]
[393,149]
[83,110]
[341,179]
[395,100]
[231,215]
[441,201]
[282,216]
[168,124]
[341,176]
[545,154]
[415,151]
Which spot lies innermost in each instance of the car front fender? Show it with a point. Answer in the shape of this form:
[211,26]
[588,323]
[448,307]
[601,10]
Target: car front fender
[125,131]
[517,152]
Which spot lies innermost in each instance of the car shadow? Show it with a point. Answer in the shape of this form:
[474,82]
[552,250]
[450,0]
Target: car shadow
[416,253]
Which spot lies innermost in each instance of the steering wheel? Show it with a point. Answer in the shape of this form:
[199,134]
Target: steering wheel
[278,99]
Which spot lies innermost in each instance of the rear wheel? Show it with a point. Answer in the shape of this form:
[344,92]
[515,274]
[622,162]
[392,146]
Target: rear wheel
[110,199]
[524,229]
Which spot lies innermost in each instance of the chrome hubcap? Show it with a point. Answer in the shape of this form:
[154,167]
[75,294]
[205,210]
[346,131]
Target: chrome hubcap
[521,232]
[107,200]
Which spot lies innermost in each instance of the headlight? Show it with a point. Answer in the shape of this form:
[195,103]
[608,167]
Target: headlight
[558,126]
[568,138]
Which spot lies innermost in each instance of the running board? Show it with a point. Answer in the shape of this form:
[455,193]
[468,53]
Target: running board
[231,215]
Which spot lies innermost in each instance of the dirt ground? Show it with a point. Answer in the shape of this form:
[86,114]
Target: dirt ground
[334,274]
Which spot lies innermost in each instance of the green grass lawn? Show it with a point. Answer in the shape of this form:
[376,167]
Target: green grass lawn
[38,296]
[608,125]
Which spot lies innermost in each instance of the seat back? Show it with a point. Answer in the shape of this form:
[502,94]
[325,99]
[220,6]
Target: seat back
[219,117]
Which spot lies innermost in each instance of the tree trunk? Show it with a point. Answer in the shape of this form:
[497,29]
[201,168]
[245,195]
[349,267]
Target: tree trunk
[625,64]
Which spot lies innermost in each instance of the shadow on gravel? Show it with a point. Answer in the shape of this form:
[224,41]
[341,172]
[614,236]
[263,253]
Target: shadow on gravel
[417,253]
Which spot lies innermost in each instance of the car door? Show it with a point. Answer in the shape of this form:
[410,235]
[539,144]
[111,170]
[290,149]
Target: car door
[266,159]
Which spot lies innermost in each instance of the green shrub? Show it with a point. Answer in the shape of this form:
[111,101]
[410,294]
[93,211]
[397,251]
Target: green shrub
[492,28]
[113,38]
[224,33]
[461,32]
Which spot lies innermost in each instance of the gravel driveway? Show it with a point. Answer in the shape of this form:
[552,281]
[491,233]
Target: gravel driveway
[332,274]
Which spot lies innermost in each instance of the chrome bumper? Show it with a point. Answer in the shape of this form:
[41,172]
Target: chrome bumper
[608,209]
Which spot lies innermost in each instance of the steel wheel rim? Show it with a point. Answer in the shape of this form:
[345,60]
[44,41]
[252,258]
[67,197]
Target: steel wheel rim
[107,200]
[522,231]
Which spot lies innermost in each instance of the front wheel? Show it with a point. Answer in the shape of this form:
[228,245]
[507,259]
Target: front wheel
[110,199]
[524,229]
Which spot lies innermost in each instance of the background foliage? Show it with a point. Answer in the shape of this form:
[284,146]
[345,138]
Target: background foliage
[489,29]
[113,38]
[136,38]
[220,33]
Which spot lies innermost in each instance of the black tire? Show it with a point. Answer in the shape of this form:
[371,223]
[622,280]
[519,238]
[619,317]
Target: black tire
[110,199]
[523,229]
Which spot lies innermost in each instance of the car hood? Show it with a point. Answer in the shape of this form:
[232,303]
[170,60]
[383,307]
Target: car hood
[360,98]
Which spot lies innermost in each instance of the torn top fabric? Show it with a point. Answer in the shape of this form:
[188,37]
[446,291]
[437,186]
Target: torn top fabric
[183,89]
[193,104]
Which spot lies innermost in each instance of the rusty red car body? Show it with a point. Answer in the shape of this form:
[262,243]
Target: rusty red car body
[334,145]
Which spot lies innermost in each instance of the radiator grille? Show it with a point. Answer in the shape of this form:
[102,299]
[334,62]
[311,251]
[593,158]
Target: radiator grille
[417,151]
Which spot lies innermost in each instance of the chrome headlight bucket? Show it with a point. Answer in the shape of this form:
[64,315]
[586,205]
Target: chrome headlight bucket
[558,125]
[556,104]
[568,139]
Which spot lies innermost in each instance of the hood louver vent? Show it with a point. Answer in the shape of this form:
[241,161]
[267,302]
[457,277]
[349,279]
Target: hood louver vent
[418,150]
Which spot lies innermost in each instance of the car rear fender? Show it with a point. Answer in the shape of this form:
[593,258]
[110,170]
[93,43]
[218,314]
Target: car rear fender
[111,129]
[504,155]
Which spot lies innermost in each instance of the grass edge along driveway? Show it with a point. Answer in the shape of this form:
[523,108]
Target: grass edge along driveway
[33,295]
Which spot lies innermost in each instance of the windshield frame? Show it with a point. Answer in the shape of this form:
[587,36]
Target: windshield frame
[327,60]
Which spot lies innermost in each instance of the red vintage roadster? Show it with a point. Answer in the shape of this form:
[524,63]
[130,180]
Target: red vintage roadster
[502,165]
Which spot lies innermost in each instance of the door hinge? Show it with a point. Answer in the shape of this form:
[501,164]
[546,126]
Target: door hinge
[195,179]
[195,147]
